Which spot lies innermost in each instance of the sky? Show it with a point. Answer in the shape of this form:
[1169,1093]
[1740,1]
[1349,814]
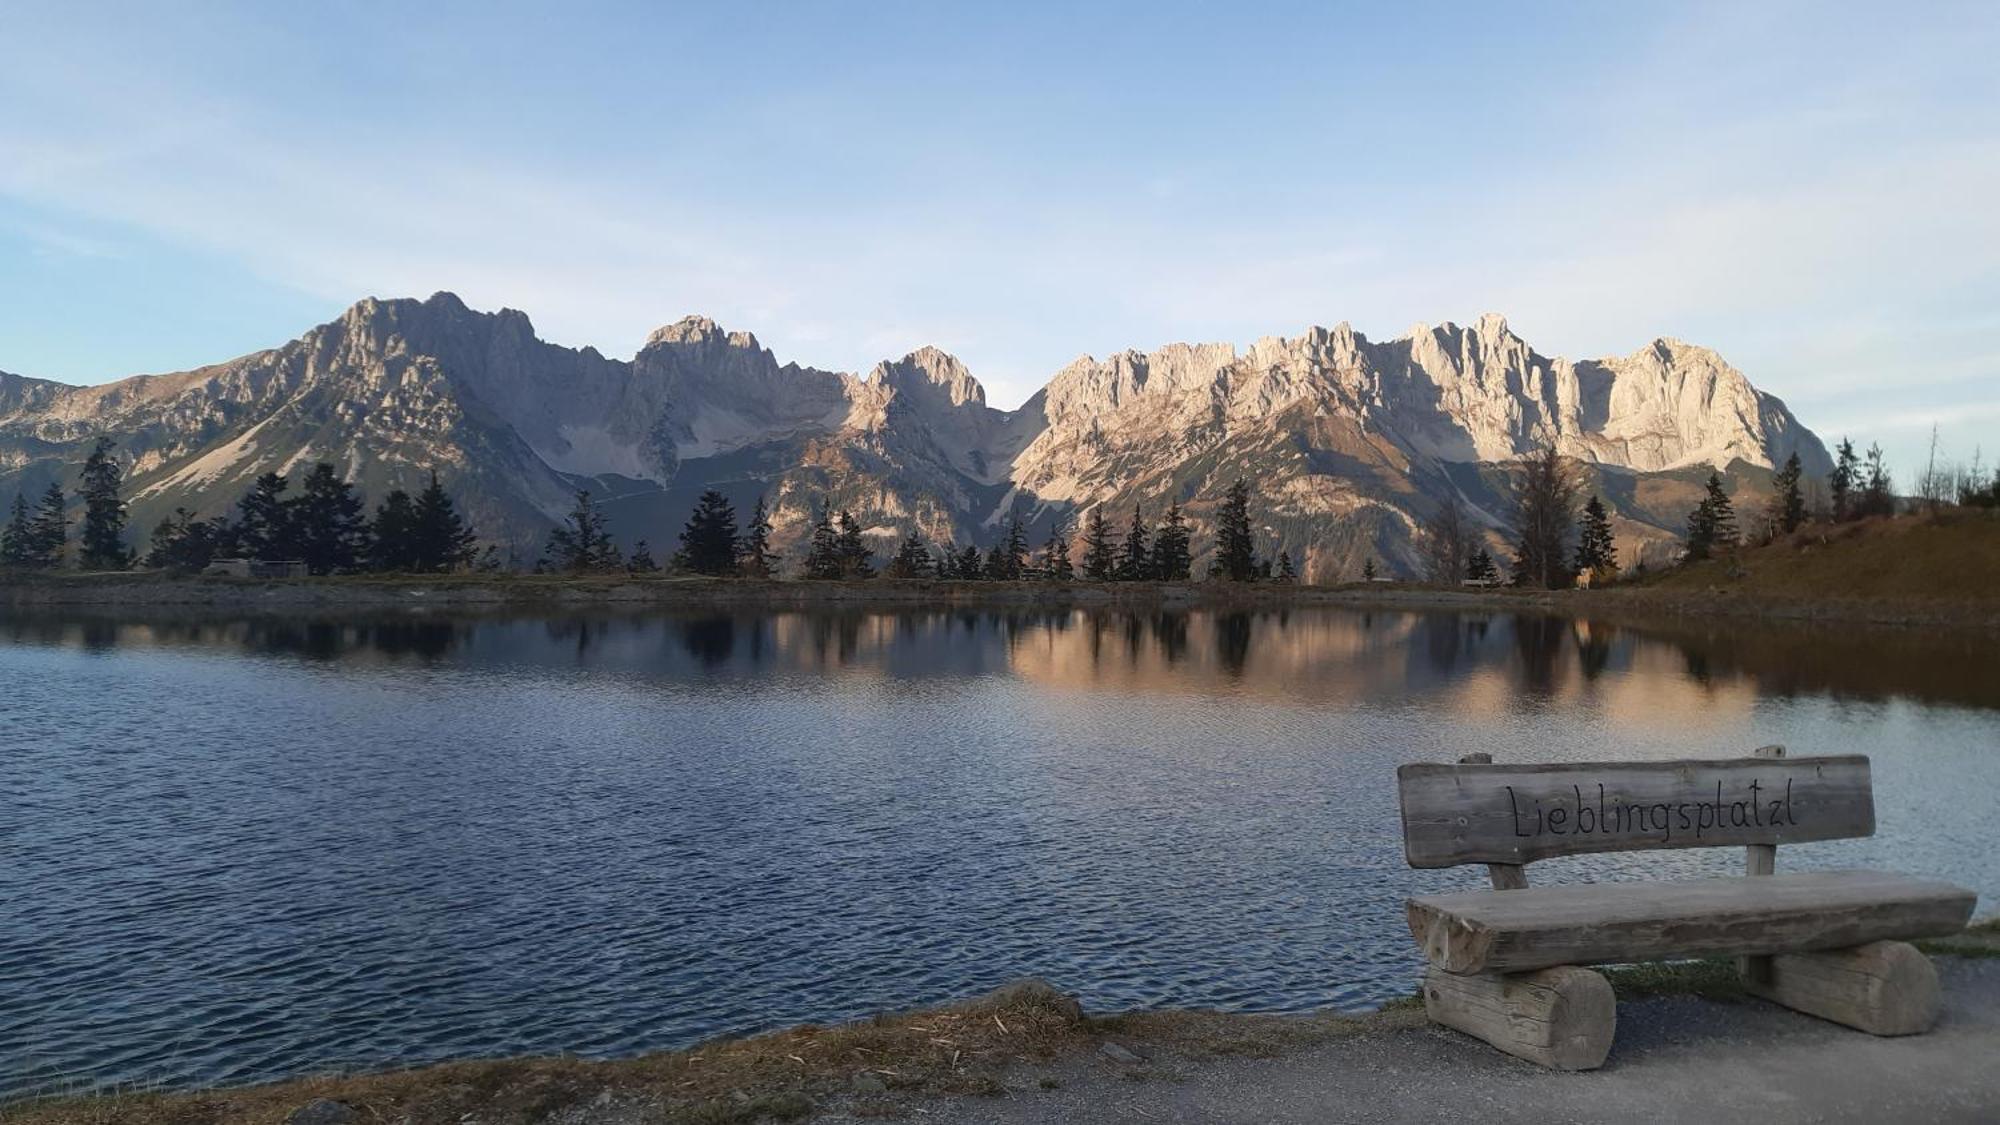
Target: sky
[1813,190]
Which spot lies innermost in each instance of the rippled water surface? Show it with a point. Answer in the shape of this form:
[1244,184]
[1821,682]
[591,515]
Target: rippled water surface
[234,851]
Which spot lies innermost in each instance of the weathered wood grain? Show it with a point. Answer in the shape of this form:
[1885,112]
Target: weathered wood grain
[1562,1017]
[1514,814]
[1503,876]
[1600,923]
[1759,859]
[1883,988]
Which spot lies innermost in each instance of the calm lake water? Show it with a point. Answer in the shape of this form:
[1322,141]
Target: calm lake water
[235,851]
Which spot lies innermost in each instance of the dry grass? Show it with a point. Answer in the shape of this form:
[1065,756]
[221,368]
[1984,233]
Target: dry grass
[779,1076]
[1952,556]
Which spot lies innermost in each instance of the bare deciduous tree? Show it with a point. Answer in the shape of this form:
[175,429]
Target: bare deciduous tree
[1544,520]
[1446,543]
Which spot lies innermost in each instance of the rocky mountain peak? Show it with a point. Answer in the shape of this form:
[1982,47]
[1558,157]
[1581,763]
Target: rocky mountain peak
[930,371]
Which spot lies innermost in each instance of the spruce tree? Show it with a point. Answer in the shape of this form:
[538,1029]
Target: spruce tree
[945,562]
[392,535]
[641,559]
[1235,544]
[913,559]
[996,563]
[1788,505]
[1286,573]
[1172,553]
[101,543]
[328,523]
[856,560]
[1056,565]
[1712,524]
[182,542]
[264,526]
[1100,557]
[1479,567]
[1844,480]
[49,530]
[1016,545]
[823,554]
[17,539]
[580,543]
[1368,570]
[709,542]
[1596,551]
[1135,561]
[443,543]
[755,558]
[969,567]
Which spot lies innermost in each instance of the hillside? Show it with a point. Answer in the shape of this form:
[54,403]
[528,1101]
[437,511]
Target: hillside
[1950,557]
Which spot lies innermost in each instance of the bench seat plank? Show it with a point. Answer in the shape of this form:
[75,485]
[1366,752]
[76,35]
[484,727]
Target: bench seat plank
[1605,923]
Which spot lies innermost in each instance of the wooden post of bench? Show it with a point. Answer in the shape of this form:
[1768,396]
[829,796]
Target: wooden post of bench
[1883,987]
[1563,1018]
[1759,859]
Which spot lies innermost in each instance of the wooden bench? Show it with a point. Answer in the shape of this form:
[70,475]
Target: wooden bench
[1506,964]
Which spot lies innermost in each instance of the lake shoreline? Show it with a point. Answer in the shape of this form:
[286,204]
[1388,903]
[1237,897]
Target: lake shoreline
[1026,1041]
[472,593]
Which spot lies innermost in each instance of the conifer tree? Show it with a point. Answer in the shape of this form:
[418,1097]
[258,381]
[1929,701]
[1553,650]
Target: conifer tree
[996,563]
[756,559]
[1788,504]
[1135,561]
[392,535]
[969,567]
[1056,565]
[1100,557]
[1844,480]
[709,542]
[1172,554]
[328,523]
[443,543]
[1235,544]
[1479,567]
[17,539]
[1286,572]
[50,529]
[1596,550]
[101,543]
[264,526]
[641,559]
[580,543]
[913,559]
[1712,524]
[945,562]
[856,560]
[182,542]
[823,554]
[1368,570]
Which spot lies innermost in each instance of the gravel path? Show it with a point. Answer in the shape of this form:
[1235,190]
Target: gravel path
[1675,1059]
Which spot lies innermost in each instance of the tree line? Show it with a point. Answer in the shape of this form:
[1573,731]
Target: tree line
[1556,540]
[324,525]
[712,543]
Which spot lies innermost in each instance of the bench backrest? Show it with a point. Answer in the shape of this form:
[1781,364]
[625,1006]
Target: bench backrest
[1509,815]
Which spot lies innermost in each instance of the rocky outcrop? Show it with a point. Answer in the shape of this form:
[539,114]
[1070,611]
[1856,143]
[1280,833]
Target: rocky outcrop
[1350,442]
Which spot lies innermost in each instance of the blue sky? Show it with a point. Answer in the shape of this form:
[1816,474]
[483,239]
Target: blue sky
[1813,190]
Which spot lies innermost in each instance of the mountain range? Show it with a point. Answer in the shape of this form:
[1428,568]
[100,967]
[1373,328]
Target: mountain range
[1349,444]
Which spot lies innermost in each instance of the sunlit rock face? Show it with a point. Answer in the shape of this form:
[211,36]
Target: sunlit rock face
[1349,443]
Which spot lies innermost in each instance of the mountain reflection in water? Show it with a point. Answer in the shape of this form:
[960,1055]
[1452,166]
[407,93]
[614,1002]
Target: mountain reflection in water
[242,849]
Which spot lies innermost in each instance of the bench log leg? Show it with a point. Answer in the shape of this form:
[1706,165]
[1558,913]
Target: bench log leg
[1562,1018]
[1883,988]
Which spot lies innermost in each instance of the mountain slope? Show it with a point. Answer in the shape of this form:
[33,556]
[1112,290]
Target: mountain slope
[1351,443]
